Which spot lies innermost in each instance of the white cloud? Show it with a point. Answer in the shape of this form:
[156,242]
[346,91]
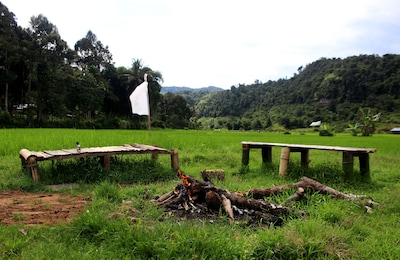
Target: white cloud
[223,43]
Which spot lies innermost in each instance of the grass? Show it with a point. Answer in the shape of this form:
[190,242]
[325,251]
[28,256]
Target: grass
[332,229]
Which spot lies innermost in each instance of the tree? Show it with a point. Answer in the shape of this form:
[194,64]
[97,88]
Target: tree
[91,52]
[175,111]
[9,49]
[52,55]
[86,94]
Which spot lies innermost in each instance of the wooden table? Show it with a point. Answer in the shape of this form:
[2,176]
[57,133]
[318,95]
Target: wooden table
[29,159]
[348,154]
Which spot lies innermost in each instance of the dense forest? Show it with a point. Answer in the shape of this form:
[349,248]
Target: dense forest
[44,83]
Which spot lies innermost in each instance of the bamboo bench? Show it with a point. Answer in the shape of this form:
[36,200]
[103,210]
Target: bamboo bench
[348,154]
[30,159]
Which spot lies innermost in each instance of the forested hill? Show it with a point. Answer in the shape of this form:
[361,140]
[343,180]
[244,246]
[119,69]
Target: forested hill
[331,90]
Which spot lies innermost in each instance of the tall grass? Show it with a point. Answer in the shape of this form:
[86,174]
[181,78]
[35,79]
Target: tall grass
[331,229]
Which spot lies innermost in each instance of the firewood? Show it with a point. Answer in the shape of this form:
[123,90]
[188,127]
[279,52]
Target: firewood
[165,196]
[226,204]
[308,183]
[213,200]
[205,196]
[297,196]
[260,193]
[244,202]
[259,205]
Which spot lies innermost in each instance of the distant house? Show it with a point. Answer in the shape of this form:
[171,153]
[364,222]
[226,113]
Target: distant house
[316,123]
[395,130]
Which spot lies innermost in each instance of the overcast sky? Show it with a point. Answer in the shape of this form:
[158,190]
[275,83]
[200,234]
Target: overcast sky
[223,43]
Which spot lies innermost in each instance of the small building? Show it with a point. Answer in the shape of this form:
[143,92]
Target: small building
[395,130]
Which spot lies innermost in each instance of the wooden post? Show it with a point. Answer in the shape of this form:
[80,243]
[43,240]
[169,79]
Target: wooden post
[364,164]
[245,154]
[32,166]
[266,153]
[305,157]
[154,155]
[105,160]
[348,163]
[284,163]
[174,159]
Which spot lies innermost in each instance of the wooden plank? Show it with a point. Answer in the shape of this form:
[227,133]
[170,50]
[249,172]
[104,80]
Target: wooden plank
[305,146]
[150,148]
[56,152]
[42,155]
[95,151]
[24,153]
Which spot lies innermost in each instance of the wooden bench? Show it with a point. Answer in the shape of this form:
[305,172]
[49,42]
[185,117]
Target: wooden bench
[347,157]
[30,159]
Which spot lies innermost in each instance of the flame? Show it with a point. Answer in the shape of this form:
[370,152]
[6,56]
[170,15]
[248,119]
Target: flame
[185,180]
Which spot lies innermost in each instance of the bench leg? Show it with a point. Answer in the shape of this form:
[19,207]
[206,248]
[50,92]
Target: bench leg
[34,172]
[305,158]
[33,168]
[364,164]
[348,163]
[284,163]
[266,153]
[105,161]
[245,154]
[174,159]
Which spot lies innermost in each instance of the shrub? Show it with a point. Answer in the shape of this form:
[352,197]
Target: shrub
[326,130]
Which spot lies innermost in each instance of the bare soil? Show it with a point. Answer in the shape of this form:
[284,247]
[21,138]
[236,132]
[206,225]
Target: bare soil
[39,208]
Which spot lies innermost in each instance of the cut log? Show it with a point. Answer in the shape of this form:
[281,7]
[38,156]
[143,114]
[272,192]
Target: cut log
[213,200]
[259,205]
[308,183]
[260,193]
[165,196]
[297,196]
[227,205]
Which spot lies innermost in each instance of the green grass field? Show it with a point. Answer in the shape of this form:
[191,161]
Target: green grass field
[331,229]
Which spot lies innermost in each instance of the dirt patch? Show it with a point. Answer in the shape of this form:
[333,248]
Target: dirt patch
[39,208]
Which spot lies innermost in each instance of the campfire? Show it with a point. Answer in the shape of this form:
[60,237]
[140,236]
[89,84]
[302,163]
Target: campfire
[200,198]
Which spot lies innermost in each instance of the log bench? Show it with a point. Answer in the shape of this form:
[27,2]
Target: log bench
[348,154]
[30,159]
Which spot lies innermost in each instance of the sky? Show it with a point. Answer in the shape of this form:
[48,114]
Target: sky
[223,43]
